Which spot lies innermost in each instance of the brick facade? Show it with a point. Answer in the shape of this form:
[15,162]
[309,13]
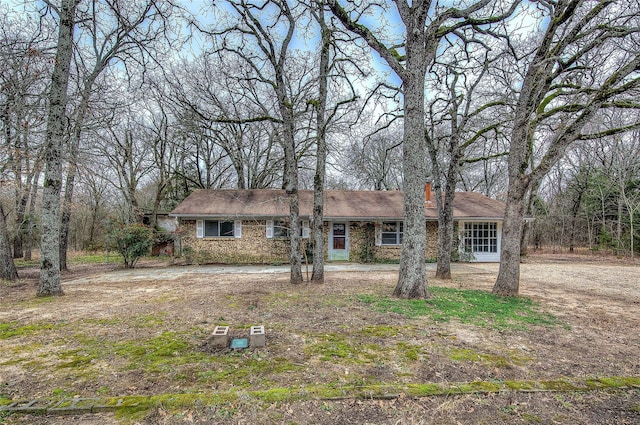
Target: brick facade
[255,248]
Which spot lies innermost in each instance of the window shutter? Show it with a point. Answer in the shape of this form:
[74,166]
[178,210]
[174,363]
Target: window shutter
[269,229]
[305,229]
[199,229]
[237,229]
[378,234]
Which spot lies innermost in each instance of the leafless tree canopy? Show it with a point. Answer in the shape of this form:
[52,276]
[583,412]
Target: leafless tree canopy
[110,110]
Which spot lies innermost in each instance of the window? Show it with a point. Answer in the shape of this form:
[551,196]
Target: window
[392,232]
[481,237]
[218,229]
[280,229]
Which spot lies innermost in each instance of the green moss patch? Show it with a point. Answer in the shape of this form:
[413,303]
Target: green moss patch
[343,347]
[480,308]
[14,329]
[137,407]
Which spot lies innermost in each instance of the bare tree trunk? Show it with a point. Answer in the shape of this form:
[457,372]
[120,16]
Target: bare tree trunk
[8,269]
[445,236]
[21,205]
[285,105]
[445,216]
[563,36]
[30,214]
[527,225]
[621,205]
[412,280]
[575,208]
[74,148]
[15,160]
[50,247]
[66,211]
[321,152]
[291,188]
[72,169]
[508,280]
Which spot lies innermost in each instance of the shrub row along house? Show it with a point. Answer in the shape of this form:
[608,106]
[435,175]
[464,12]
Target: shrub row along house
[251,226]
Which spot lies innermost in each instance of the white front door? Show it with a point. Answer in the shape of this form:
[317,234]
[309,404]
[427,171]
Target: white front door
[339,242]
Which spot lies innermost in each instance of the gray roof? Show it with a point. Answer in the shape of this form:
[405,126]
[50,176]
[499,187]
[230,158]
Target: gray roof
[338,204]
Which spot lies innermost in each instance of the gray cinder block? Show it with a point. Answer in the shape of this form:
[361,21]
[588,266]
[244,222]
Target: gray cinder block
[257,336]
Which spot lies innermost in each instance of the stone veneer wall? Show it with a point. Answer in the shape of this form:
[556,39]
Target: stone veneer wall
[254,247]
[361,235]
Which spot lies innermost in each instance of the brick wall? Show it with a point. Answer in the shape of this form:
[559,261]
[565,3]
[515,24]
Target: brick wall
[254,247]
[362,238]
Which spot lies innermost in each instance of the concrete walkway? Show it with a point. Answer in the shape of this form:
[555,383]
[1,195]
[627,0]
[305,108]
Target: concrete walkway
[178,272]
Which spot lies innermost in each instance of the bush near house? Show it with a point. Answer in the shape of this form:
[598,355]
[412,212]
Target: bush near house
[132,241]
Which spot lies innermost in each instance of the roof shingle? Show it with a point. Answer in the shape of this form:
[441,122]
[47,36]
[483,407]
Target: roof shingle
[338,204]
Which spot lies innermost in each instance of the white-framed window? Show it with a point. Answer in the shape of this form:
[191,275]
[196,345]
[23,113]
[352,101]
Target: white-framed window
[280,229]
[481,237]
[391,232]
[218,229]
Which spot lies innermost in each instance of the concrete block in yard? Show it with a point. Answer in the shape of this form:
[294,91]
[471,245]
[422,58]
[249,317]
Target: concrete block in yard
[220,336]
[257,336]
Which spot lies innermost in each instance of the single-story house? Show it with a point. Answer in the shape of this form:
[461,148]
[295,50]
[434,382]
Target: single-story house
[250,226]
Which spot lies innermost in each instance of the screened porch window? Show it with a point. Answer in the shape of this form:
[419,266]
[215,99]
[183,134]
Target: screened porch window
[481,237]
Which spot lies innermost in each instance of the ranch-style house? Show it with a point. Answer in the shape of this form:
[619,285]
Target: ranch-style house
[251,226]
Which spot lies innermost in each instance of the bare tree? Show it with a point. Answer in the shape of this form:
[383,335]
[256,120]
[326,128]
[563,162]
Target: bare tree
[108,32]
[585,60]
[466,113]
[376,160]
[331,68]
[55,137]
[425,25]
[126,153]
[24,68]
[261,35]
[215,105]
[321,142]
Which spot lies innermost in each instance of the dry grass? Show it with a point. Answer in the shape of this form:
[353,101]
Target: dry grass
[119,333]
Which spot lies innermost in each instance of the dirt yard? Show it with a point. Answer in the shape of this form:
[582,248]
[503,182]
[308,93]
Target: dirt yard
[144,332]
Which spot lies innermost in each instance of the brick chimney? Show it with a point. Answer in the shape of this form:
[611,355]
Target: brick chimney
[427,193]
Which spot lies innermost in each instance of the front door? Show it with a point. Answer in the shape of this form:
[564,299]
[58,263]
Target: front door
[339,242]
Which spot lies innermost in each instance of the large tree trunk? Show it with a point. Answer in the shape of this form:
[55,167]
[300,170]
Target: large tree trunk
[445,216]
[445,236]
[50,247]
[291,187]
[412,280]
[321,153]
[318,228]
[7,267]
[508,280]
